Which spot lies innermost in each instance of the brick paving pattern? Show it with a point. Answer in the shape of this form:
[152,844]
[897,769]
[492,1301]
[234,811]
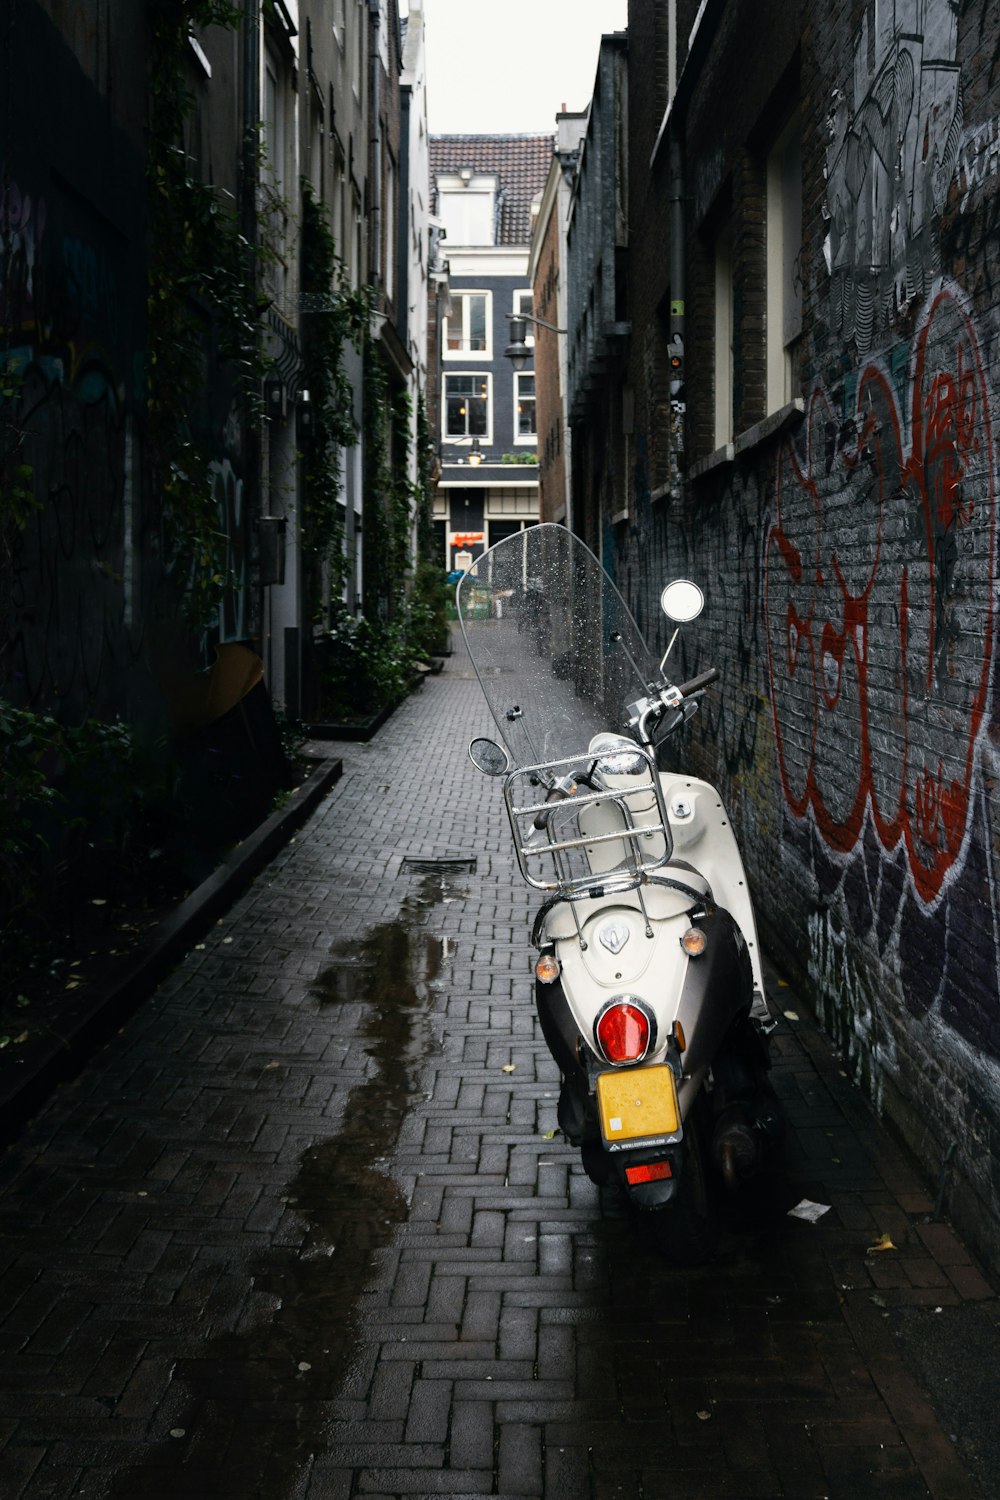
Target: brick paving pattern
[304,1230]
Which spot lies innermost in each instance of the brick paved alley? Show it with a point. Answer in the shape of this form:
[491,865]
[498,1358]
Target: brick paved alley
[303,1229]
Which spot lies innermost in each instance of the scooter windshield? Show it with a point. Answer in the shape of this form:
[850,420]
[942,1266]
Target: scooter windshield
[556,651]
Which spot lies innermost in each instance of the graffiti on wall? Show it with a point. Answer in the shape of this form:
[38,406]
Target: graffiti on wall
[978,160]
[67,565]
[878,596]
[893,149]
[84,573]
[880,632]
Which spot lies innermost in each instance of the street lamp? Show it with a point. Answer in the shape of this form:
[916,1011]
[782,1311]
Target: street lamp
[476,455]
[517,350]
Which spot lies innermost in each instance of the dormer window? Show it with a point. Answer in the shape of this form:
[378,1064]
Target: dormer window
[467,207]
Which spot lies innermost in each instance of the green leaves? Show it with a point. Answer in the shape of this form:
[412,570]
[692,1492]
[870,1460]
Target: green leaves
[200,263]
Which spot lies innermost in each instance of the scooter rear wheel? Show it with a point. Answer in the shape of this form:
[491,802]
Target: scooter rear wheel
[686,1230]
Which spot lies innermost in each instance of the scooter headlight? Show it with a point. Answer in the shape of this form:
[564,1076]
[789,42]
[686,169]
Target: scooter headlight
[625,1030]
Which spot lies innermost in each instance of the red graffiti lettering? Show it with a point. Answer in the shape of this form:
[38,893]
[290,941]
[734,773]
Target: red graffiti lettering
[878,601]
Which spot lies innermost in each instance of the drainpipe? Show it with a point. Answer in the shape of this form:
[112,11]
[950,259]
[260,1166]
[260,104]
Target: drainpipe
[253,449]
[375,176]
[676,347]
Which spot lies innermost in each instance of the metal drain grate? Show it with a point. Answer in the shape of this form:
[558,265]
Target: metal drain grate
[412,865]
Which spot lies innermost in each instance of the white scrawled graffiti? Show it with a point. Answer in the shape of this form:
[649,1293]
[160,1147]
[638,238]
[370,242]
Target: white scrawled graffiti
[894,145]
[846,1006]
[978,159]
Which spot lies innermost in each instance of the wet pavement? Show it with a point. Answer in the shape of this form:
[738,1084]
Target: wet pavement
[304,1228]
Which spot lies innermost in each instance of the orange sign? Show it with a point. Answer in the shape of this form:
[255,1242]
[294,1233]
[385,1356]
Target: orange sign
[467,538]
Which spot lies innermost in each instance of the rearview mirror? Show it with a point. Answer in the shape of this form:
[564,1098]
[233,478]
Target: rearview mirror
[489,757]
[682,600]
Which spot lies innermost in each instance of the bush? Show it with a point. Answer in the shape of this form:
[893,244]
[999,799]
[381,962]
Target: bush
[86,815]
[428,624]
[361,667]
[75,801]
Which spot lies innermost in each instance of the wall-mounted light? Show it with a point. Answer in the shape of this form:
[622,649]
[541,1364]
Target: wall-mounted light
[517,351]
[475,453]
[465,175]
[275,399]
[303,412]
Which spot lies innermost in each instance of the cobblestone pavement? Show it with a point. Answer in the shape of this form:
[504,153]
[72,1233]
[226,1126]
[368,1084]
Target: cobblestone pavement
[303,1230]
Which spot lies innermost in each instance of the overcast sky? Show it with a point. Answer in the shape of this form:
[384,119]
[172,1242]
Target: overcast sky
[510,66]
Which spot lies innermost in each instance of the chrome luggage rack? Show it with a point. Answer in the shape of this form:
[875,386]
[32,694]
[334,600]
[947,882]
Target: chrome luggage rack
[640,812]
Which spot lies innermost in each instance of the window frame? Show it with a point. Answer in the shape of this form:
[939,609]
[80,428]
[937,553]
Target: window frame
[723,412]
[458,438]
[525,439]
[463,293]
[783,308]
[515,302]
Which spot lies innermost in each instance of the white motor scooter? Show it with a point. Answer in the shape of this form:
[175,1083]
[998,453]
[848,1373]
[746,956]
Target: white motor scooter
[649,985]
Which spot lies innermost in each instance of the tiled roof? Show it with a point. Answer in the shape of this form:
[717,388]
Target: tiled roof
[521,162]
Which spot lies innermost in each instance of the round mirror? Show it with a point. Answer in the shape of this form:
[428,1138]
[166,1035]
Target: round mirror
[489,757]
[682,600]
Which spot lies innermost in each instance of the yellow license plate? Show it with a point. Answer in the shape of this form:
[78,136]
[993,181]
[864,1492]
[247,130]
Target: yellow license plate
[637,1106]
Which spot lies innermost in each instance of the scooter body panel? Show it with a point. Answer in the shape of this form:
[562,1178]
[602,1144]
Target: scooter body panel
[703,836]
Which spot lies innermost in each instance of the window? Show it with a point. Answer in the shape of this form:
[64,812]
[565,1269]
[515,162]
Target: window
[784,247]
[467,328]
[358,66]
[466,207]
[723,336]
[524,306]
[273,170]
[467,405]
[272,179]
[390,228]
[524,407]
[357,242]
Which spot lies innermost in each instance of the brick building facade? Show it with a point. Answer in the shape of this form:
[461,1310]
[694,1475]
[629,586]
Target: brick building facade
[814,407]
[485,189]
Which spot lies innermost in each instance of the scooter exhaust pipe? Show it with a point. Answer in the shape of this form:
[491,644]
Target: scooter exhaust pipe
[735,1149]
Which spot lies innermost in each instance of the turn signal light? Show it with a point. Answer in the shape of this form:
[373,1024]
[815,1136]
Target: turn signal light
[654,1171]
[623,1032]
[694,942]
[547,968]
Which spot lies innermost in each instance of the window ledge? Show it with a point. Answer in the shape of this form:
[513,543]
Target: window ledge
[723,455]
[619,516]
[776,422]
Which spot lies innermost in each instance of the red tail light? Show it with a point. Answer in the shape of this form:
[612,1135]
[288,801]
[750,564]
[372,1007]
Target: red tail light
[653,1172]
[623,1032]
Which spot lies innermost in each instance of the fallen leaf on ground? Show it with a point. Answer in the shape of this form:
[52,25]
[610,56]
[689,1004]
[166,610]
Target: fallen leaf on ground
[882,1243]
[790,1015]
[508,1067]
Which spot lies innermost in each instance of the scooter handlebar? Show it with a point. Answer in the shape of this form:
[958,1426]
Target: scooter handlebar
[696,683]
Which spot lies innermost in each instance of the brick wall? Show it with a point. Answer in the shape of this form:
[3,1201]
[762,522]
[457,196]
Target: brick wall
[849,559]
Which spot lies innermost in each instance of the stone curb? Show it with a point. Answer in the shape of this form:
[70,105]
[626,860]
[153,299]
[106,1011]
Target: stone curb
[51,1059]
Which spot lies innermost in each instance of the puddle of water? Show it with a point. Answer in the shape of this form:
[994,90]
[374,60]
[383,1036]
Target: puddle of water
[254,1407]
